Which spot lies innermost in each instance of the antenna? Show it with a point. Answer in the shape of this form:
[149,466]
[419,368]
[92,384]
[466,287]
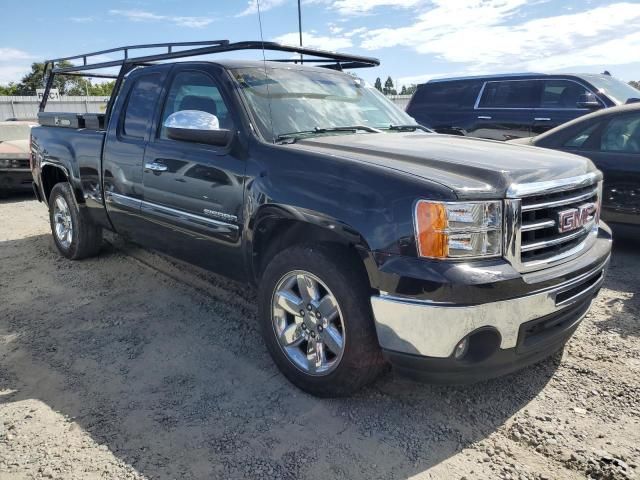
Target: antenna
[266,79]
[300,26]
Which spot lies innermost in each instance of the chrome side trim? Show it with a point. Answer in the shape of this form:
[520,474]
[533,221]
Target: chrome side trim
[429,329]
[518,190]
[154,208]
[123,200]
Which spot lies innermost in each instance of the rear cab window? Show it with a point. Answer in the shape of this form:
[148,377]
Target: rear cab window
[141,104]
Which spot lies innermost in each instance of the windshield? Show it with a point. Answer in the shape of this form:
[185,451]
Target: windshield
[14,131]
[305,100]
[615,89]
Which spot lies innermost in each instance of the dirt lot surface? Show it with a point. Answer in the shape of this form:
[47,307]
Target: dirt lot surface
[130,365]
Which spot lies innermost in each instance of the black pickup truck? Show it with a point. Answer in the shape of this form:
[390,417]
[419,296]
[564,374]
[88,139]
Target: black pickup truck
[371,240]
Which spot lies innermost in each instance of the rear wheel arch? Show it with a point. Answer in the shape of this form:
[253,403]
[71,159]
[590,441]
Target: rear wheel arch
[51,175]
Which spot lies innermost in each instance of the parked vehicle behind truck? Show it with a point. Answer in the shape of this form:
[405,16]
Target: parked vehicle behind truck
[15,174]
[369,239]
[508,106]
[610,138]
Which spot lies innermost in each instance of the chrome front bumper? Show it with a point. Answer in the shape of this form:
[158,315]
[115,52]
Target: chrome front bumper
[433,330]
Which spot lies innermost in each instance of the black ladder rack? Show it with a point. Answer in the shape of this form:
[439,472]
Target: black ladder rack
[321,58]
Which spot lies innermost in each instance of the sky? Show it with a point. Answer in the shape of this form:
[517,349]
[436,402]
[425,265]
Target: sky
[415,40]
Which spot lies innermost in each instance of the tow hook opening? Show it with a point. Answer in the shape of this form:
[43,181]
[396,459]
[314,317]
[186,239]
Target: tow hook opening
[477,346]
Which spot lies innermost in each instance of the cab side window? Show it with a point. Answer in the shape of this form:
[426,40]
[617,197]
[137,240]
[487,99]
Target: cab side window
[510,94]
[561,94]
[622,135]
[192,90]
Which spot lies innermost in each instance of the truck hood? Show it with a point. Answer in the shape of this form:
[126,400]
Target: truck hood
[14,149]
[471,167]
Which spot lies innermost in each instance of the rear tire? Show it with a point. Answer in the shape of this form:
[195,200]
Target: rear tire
[74,234]
[350,356]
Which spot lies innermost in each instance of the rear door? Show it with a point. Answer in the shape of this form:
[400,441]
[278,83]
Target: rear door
[558,104]
[125,146]
[504,109]
[193,193]
[446,106]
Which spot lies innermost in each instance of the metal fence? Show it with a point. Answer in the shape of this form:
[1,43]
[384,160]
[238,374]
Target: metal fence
[400,100]
[26,108]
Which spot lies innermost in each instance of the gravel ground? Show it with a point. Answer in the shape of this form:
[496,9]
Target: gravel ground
[130,365]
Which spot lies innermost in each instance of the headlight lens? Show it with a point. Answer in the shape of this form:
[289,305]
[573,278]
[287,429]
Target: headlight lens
[458,229]
[5,163]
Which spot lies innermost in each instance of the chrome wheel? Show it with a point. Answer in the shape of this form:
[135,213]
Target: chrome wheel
[308,323]
[62,222]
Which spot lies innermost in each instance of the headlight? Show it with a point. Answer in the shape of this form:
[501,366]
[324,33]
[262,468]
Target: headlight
[458,229]
[5,163]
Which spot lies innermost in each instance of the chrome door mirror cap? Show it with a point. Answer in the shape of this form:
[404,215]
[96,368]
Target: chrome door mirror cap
[192,120]
[197,127]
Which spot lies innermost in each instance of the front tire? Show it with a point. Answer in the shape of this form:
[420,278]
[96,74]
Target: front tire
[74,234]
[315,313]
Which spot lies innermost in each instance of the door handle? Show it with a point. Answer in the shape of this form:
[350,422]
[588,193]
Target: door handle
[484,117]
[156,167]
[542,119]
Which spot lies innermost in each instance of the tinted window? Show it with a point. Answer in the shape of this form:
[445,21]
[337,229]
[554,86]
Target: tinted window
[446,95]
[580,139]
[142,100]
[561,94]
[510,94]
[195,91]
[622,135]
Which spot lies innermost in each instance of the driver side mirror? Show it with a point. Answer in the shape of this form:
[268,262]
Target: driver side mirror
[196,126]
[588,100]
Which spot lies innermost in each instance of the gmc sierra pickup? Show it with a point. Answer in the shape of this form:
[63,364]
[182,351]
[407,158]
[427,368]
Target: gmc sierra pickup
[370,239]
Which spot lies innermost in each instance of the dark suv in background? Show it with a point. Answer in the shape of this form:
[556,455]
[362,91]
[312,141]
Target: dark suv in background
[503,107]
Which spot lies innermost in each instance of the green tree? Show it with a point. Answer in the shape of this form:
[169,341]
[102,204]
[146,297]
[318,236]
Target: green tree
[388,87]
[11,89]
[410,90]
[378,84]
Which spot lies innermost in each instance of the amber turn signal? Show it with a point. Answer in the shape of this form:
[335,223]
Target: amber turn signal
[431,223]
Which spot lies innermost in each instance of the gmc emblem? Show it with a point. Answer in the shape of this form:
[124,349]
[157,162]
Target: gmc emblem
[574,218]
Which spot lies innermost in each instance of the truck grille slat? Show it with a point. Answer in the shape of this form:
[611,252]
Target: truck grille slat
[562,201]
[527,247]
[527,227]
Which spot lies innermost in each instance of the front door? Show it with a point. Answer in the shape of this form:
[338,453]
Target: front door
[558,104]
[193,192]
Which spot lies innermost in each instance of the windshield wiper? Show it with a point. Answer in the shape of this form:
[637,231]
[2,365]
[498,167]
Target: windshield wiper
[353,128]
[409,127]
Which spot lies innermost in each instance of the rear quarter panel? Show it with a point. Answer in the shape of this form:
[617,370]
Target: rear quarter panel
[77,152]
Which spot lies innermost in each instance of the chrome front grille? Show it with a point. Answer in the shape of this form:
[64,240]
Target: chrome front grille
[533,235]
